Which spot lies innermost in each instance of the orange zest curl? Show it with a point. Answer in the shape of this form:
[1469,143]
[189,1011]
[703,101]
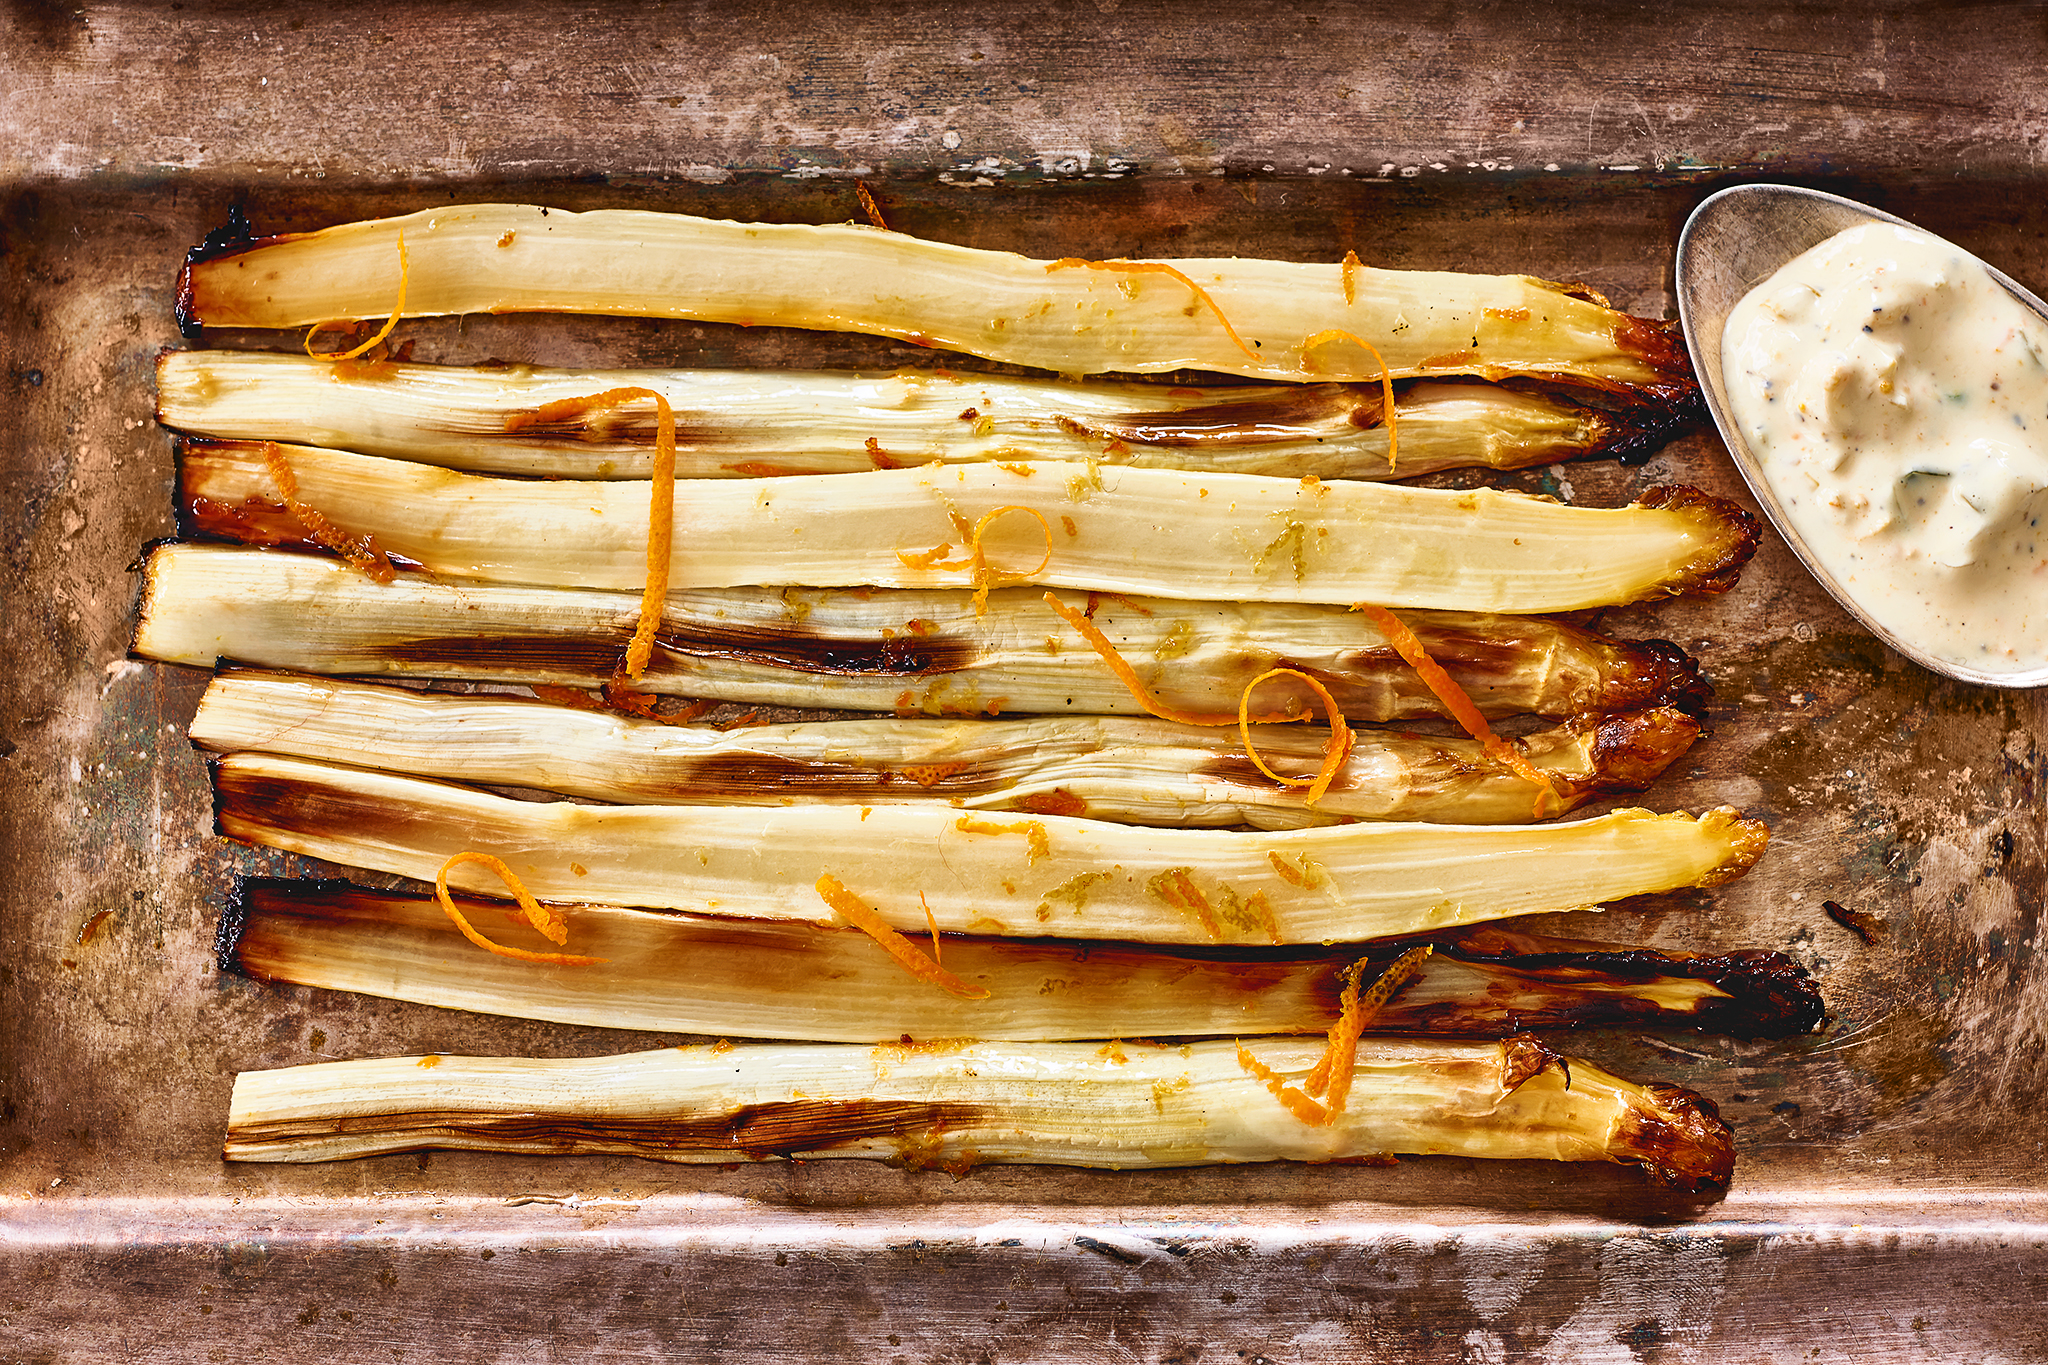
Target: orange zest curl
[545,920]
[397,311]
[981,573]
[861,916]
[1330,334]
[1160,268]
[362,552]
[1334,753]
[986,577]
[1455,701]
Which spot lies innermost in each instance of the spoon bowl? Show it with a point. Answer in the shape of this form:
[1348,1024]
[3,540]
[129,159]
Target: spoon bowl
[1734,241]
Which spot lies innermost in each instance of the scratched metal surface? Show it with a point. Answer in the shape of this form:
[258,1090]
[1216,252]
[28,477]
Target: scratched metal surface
[1889,1203]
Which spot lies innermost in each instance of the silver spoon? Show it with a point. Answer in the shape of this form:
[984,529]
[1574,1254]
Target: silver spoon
[1733,242]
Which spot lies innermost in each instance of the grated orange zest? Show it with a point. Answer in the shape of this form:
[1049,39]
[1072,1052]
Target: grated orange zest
[1160,268]
[545,920]
[1351,264]
[1178,889]
[362,552]
[1455,701]
[861,916]
[397,311]
[1334,753]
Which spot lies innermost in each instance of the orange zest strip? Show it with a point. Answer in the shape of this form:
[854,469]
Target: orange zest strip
[397,311]
[1331,1079]
[1297,1104]
[1330,334]
[1455,701]
[931,922]
[661,530]
[1160,268]
[1351,264]
[1123,600]
[856,912]
[1334,753]
[623,699]
[1037,843]
[1128,676]
[985,577]
[575,698]
[934,558]
[661,507]
[546,921]
[362,552]
[1345,1046]
[868,204]
[619,700]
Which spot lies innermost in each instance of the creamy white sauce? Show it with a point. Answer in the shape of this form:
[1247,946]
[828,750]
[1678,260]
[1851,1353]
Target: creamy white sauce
[1897,399]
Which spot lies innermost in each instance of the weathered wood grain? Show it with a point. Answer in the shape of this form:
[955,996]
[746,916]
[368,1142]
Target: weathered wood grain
[470,91]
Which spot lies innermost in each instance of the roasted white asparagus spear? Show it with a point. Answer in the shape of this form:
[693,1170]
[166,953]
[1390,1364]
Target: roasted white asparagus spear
[751,423]
[1229,537]
[1127,1105]
[912,652]
[1037,875]
[1138,770]
[677,973]
[1263,319]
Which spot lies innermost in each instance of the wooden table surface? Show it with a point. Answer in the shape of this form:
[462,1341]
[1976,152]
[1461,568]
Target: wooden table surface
[1890,1203]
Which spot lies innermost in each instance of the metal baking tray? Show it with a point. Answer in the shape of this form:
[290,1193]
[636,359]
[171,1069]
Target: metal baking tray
[1889,1201]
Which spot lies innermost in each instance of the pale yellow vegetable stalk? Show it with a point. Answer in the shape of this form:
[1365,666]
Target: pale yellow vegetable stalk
[1231,537]
[1127,1105]
[911,652]
[1138,770]
[667,972]
[1233,316]
[749,423]
[980,873]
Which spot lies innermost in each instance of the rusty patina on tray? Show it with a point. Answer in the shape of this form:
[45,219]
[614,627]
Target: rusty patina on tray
[1889,1203]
